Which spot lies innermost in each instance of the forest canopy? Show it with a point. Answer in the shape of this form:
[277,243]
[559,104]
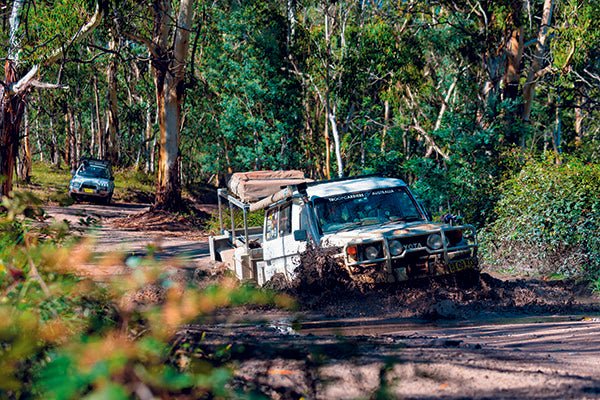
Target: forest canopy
[450,95]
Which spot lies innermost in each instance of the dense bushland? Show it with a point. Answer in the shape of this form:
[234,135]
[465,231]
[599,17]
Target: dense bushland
[548,218]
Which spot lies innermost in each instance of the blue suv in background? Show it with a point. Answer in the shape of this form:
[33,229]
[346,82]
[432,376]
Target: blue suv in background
[93,180]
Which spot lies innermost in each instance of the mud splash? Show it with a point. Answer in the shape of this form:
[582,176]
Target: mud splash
[322,285]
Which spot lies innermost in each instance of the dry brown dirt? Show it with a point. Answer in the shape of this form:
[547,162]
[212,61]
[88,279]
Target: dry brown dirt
[493,339]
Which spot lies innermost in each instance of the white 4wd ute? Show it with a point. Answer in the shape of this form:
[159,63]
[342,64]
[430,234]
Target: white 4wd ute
[381,233]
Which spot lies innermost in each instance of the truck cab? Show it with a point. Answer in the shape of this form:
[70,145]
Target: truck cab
[379,231]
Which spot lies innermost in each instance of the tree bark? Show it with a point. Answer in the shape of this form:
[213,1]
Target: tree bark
[169,73]
[336,142]
[386,121]
[12,107]
[536,62]
[99,132]
[72,139]
[578,123]
[25,162]
[112,110]
[514,52]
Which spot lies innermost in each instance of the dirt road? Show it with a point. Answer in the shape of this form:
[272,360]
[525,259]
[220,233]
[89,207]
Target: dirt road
[525,359]
[111,234]
[507,340]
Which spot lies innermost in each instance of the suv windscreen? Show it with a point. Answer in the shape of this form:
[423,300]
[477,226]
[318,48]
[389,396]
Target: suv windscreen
[350,210]
[93,172]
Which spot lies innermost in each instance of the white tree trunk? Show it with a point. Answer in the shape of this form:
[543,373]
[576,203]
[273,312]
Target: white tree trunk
[336,142]
[169,77]
[536,62]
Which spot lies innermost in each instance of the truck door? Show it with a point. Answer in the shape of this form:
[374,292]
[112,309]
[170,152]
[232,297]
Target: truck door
[280,251]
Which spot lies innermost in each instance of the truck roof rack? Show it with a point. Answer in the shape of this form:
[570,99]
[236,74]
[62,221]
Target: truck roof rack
[345,178]
[96,161]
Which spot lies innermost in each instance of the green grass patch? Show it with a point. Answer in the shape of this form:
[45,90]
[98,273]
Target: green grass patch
[134,186]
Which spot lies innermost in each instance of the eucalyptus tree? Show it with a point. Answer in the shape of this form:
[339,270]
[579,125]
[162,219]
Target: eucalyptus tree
[37,37]
[164,27]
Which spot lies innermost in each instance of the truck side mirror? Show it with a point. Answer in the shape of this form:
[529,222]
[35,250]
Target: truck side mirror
[300,235]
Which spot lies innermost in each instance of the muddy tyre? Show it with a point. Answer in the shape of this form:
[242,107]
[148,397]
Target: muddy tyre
[468,278]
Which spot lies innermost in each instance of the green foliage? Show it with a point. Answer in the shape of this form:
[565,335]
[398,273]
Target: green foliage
[547,220]
[63,335]
[254,219]
[252,112]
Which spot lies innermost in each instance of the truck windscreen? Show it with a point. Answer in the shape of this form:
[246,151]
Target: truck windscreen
[348,211]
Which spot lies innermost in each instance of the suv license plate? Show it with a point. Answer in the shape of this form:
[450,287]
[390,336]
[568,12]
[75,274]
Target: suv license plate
[88,190]
[461,264]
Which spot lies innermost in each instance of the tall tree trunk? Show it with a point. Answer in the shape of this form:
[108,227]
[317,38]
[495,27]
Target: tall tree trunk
[99,132]
[557,136]
[11,112]
[71,138]
[25,162]
[78,137]
[386,121]
[169,73]
[336,142]
[578,123]
[12,105]
[92,134]
[148,140]
[112,111]
[514,52]
[38,139]
[536,62]
[55,151]
[327,150]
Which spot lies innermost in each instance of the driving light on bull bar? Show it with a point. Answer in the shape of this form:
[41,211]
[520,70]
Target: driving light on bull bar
[396,248]
[371,252]
[352,251]
[434,241]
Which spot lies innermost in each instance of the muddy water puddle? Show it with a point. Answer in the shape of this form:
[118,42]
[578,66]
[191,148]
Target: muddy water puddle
[407,326]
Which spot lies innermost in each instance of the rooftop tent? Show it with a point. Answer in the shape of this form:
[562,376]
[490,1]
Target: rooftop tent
[256,185]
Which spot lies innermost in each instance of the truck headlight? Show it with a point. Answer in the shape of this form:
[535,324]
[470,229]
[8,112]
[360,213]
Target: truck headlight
[396,248]
[371,252]
[434,241]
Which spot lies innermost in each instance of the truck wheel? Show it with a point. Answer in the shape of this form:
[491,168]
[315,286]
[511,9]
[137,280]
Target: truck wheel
[468,278]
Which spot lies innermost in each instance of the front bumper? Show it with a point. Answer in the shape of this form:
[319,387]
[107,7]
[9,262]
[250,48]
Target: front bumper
[417,260]
[91,192]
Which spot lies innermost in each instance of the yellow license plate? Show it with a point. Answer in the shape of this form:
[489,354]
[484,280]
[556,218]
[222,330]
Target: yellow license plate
[88,190]
[462,264]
